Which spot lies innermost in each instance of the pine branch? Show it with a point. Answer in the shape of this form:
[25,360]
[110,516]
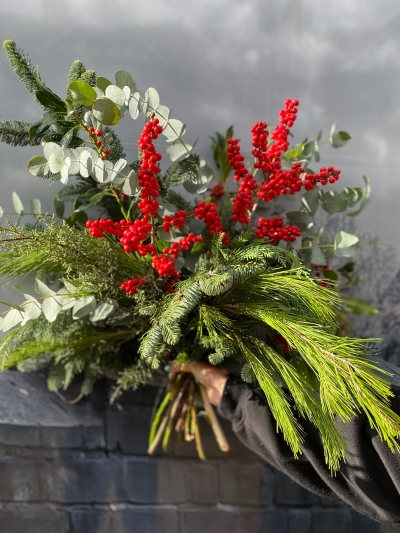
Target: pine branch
[16,133]
[21,65]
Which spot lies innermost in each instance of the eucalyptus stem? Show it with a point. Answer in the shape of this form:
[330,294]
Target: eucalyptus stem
[197,436]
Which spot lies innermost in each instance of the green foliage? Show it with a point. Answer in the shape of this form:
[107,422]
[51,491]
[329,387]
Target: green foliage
[16,133]
[21,65]
[220,153]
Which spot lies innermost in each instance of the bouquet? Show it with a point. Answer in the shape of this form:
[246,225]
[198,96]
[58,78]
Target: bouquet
[182,266]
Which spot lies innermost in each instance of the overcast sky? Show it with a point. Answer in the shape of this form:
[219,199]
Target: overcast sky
[226,62]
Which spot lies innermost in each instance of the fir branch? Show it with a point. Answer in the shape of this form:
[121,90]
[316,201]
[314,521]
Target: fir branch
[21,65]
[16,133]
[181,171]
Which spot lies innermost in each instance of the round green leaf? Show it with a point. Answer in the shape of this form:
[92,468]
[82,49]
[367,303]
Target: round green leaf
[82,93]
[106,111]
[345,240]
[103,83]
[115,94]
[38,166]
[56,163]
[123,79]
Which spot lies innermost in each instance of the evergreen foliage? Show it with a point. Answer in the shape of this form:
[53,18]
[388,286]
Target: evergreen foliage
[21,65]
[16,133]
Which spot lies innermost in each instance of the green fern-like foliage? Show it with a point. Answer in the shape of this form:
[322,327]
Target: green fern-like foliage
[16,133]
[255,286]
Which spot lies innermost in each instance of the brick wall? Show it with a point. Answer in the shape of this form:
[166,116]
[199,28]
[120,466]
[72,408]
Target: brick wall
[84,469]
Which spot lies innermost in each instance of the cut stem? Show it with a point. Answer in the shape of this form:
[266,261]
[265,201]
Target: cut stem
[216,426]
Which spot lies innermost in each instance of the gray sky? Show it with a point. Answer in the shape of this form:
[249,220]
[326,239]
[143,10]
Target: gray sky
[218,63]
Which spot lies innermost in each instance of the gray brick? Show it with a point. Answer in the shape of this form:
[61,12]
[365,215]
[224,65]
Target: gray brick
[94,437]
[19,435]
[203,482]
[129,430]
[172,486]
[331,521]
[20,518]
[149,520]
[244,483]
[61,437]
[222,520]
[273,521]
[299,521]
[141,479]
[86,480]
[363,524]
[23,480]
[289,492]
[87,521]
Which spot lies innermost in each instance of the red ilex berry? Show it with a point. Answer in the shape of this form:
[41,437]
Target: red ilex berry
[99,143]
[147,174]
[124,196]
[91,129]
[217,191]
[99,133]
[208,213]
[273,229]
[106,152]
[177,220]
[132,285]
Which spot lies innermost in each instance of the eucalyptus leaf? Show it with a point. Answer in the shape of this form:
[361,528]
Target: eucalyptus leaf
[32,309]
[153,100]
[56,163]
[317,257]
[103,310]
[163,113]
[83,307]
[12,319]
[365,198]
[19,208]
[115,94]
[106,111]
[134,104]
[85,164]
[345,240]
[52,148]
[38,166]
[42,288]
[332,202]
[36,206]
[64,172]
[310,201]
[173,129]
[131,184]
[51,308]
[178,150]
[123,79]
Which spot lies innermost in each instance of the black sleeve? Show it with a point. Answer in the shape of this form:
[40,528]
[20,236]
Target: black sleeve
[370,479]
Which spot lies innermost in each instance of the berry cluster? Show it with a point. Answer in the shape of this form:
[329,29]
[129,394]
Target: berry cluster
[236,159]
[147,174]
[182,245]
[164,266]
[274,229]
[208,213]
[178,220]
[97,228]
[217,191]
[260,142]
[243,201]
[282,343]
[282,182]
[132,285]
[325,176]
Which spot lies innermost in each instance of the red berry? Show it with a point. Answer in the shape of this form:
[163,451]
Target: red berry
[99,133]
[99,143]
[91,129]
[106,152]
